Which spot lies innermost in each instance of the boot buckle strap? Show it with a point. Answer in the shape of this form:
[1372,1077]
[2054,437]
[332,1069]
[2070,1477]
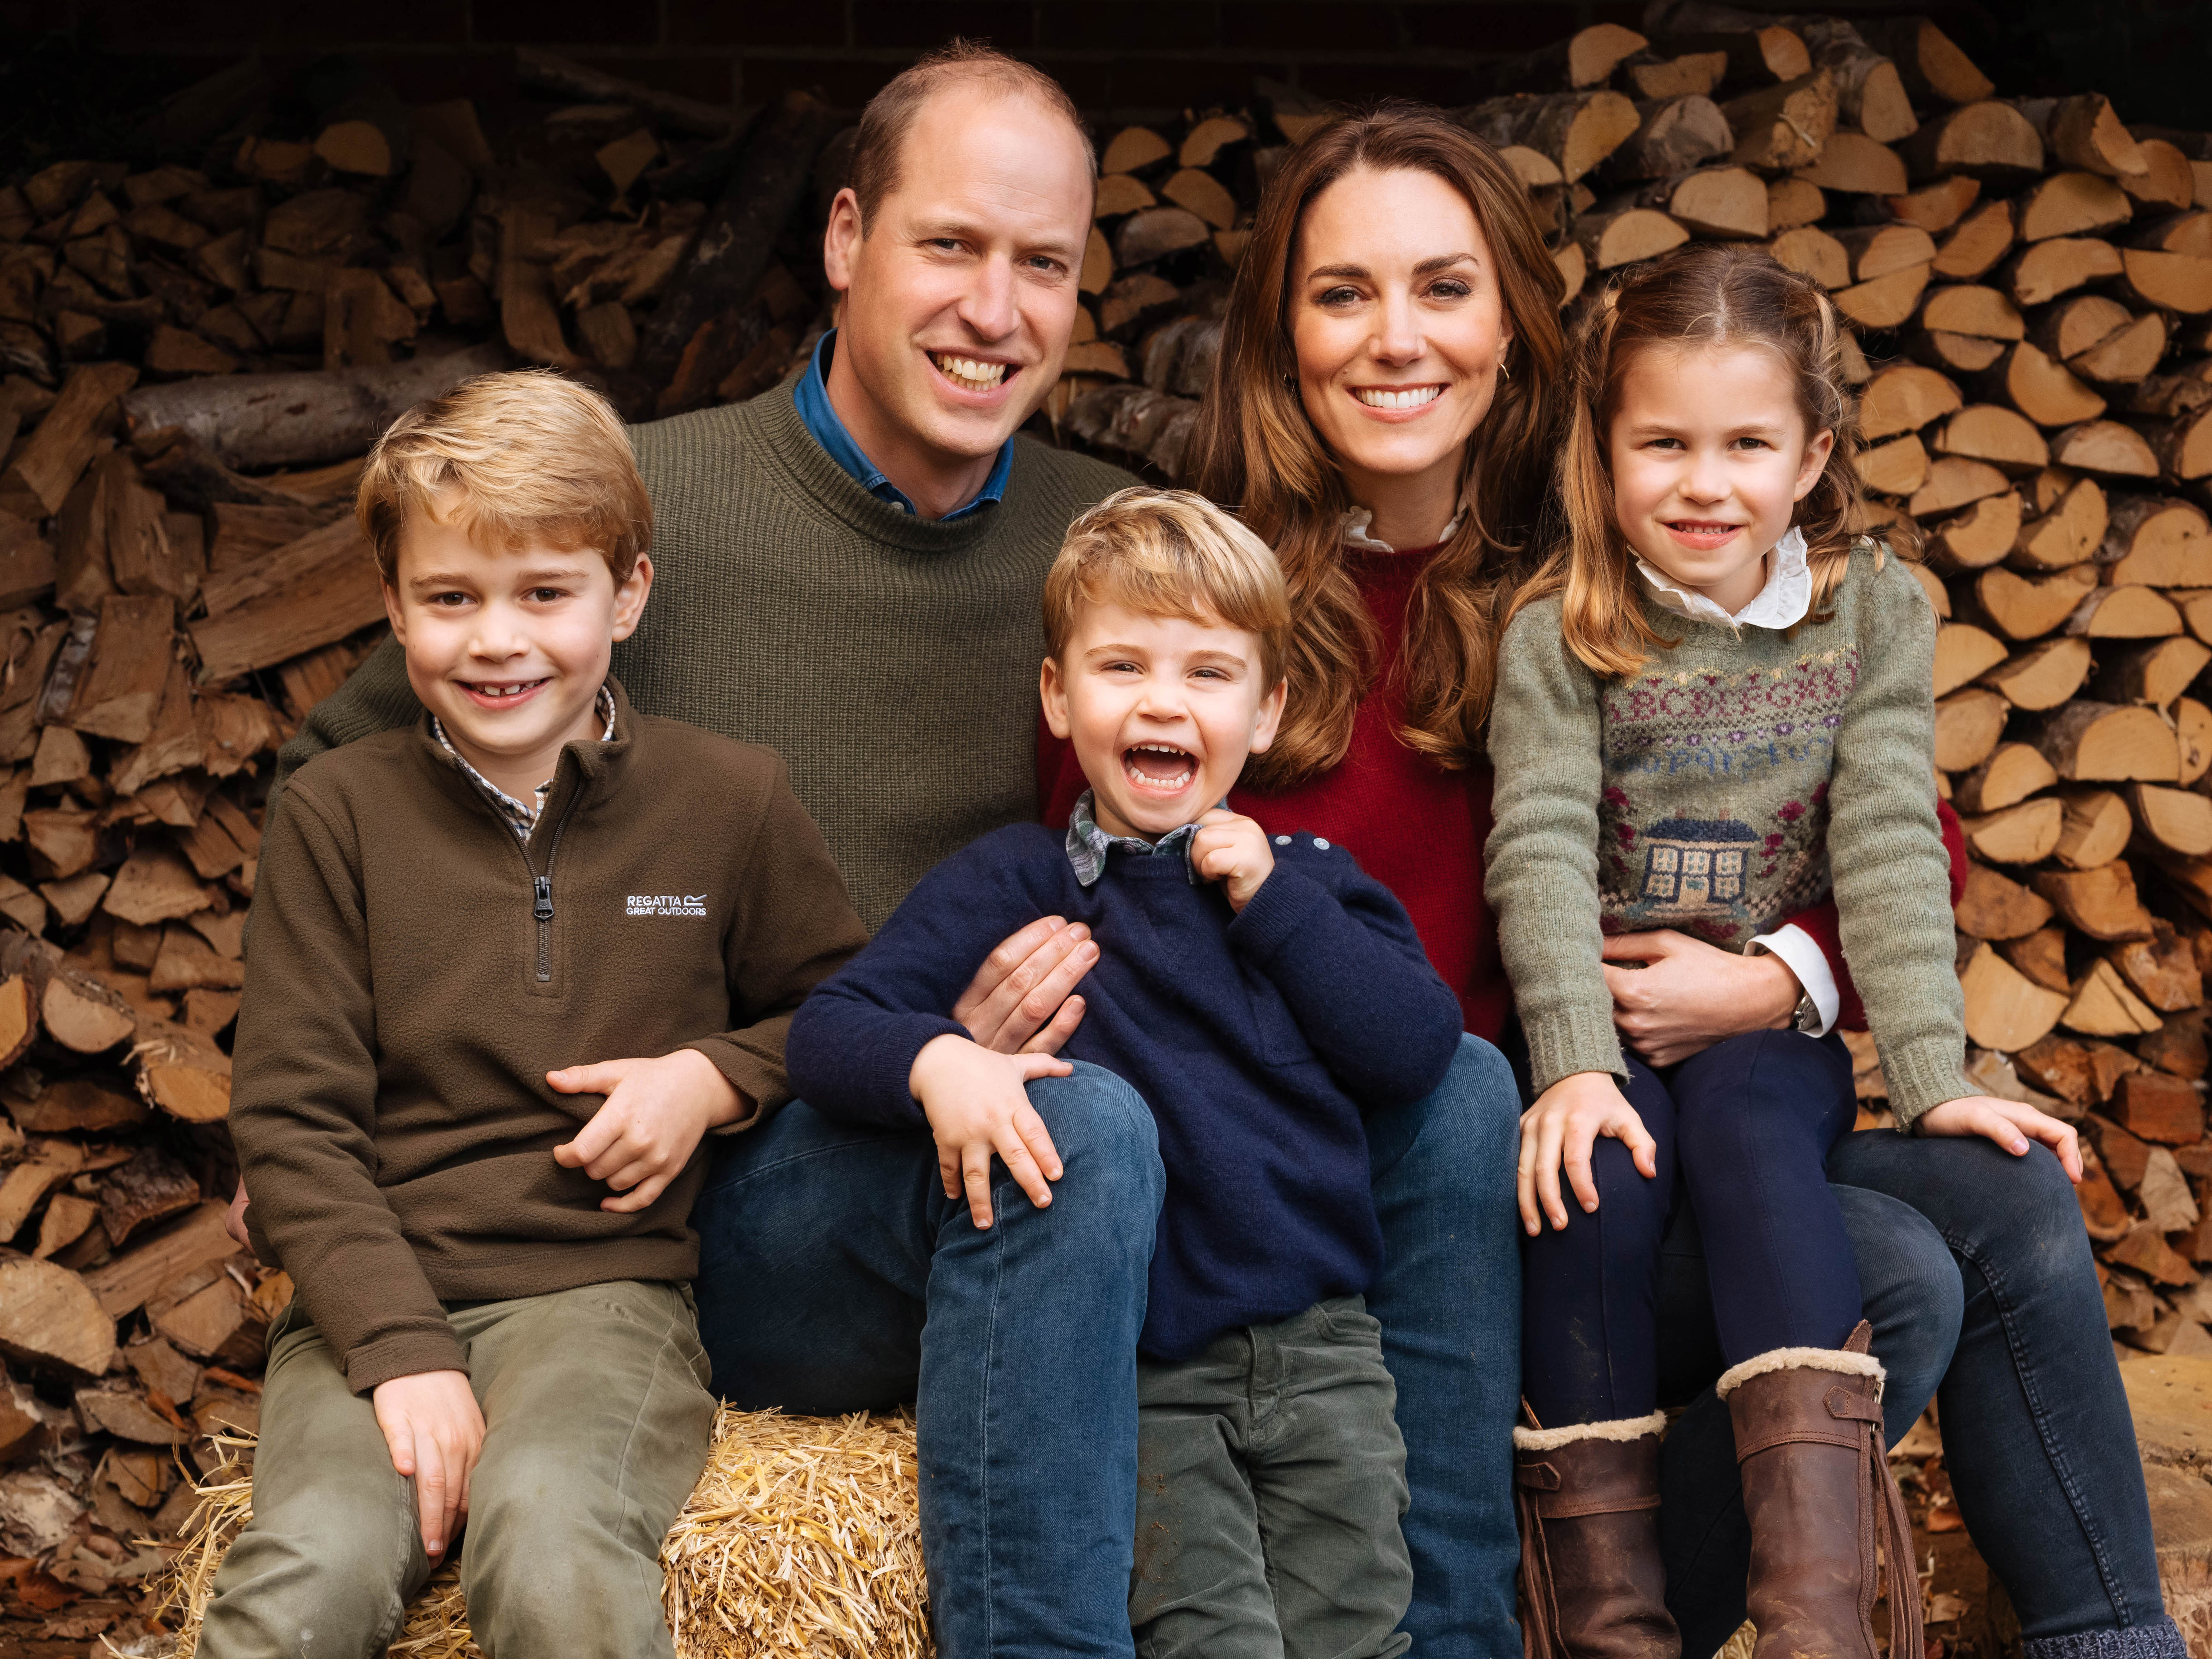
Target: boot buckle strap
[1849,1439]
[1853,1407]
[1541,1477]
[1566,1509]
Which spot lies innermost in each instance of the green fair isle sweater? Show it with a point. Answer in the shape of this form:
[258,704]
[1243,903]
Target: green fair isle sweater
[891,662]
[1726,785]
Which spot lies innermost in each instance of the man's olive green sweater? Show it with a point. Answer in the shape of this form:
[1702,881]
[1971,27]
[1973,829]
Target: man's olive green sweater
[1728,783]
[891,662]
[417,970]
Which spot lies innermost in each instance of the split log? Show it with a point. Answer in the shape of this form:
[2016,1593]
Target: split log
[1988,141]
[288,420]
[2027,608]
[2044,677]
[1784,128]
[1980,537]
[2154,675]
[2082,131]
[1157,233]
[2192,724]
[1962,653]
[48,462]
[2172,821]
[2041,955]
[2162,969]
[1994,908]
[1968,309]
[1576,130]
[2100,902]
[2045,391]
[2088,741]
[1929,63]
[182,1071]
[1691,73]
[1980,240]
[1935,208]
[1885,302]
[1203,145]
[2013,772]
[209,1315]
[1968,724]
[1993,434]
[43,1166]
[2184,447]
[2025,833]
[2072,204]
[123,1285]
[1855,164]
[1905,398]
[2072,525]
[546,71]
[317,590]
[2096,828]
[49,1320]
[1202,194]
[2103,1006]
[2005,1010]
[2107,448]
[2124,613]
[1954,481]
[65,1221]
[1611,240]
[1673,136]
[76,1105]
[2167,281]
[2127,355]
[2153,1107]
[1724,202]
[1813,252]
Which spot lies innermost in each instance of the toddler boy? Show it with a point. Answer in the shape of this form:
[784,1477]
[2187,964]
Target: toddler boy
[1257,994]
[462,929]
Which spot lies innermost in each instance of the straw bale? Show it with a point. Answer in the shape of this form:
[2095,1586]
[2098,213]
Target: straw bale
[803,1536]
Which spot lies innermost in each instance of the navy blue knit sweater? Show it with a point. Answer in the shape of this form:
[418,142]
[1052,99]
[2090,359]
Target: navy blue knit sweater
[1255,1038]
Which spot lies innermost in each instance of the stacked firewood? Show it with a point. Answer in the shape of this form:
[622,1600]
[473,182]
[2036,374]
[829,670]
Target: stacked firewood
[197,344]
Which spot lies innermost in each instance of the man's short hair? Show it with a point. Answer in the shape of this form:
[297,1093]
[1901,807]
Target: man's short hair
[520,457]
[890,116]
[1170,553]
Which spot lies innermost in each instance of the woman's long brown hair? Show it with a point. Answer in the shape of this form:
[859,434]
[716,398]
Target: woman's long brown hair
[1710,294]
[1255,450]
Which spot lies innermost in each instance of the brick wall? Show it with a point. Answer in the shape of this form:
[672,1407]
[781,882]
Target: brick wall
[1123,59]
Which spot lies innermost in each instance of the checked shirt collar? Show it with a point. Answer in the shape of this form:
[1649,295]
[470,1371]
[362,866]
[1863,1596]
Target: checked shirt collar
[1087,844]
[520,816]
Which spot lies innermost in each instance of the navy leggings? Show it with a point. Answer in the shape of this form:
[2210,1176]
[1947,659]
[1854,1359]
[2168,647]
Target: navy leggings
[1744,1131]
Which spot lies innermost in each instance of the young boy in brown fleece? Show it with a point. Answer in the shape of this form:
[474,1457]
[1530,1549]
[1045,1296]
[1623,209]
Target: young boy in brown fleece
[482,1203]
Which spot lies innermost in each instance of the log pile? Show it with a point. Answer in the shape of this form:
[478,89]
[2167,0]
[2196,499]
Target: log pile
[198,340]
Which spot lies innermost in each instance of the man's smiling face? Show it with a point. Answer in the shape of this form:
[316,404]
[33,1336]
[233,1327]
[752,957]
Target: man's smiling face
[960,293]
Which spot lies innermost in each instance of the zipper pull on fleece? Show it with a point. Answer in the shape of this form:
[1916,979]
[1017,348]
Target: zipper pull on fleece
[542,909]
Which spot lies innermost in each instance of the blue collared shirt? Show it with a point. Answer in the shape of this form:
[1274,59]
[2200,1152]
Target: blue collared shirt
[812,397]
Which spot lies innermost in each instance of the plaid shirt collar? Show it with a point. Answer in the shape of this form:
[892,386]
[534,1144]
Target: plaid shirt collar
[1087,844]
[520,816]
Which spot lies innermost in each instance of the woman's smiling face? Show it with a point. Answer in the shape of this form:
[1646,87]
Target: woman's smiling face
[1398,323]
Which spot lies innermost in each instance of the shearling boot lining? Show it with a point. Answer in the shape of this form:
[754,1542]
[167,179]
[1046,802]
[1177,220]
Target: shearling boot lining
[2159,1640]
[1809,1359]
[1619,1428]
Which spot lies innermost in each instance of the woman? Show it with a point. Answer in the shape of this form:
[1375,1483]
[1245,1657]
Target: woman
[1379,413]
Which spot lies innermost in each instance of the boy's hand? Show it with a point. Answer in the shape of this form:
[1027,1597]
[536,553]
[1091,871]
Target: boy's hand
[655,1112]
[1561,1128]
[1232,850]
[976,1106]
[2007,1122]
[435,1434]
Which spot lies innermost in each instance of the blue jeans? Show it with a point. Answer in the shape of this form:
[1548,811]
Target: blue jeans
[1977,1277]
[835,1275]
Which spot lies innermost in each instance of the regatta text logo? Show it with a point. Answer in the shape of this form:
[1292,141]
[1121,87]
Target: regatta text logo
[666,904]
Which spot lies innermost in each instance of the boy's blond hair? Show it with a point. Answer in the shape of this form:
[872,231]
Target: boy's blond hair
[1170,553]
[522,456]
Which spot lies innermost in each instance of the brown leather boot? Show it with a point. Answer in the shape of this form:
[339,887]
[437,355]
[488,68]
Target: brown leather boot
[1820,1497]
[1591,1583]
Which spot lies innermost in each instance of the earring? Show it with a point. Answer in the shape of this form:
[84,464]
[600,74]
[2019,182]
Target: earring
[1504,369]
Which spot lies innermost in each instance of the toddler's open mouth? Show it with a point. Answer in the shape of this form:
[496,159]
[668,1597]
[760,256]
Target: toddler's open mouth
[1159,766]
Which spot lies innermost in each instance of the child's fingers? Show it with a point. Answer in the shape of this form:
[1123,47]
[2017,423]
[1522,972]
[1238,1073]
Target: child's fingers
[1581,1137]
[975,1179]
[1996,1126]
[1038,1139]
[2060,1137]
[1014,1153]
[1629,1130]
[1524,1180]
[631,1166]
[1549,1134]
[641,1197]
[430,1495]
[948,1169]
[591,1141]
[599,1079]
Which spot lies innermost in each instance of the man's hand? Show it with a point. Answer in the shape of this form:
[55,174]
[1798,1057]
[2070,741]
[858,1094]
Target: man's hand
[1561,1128]
[1019,1001]
[976,1106]
[1233,851]
[2008,1124]
[234,1218]
[1689,994]
[654,1114]
[435,1434]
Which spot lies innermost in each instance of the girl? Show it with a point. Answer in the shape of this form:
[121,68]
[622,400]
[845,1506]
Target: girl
[1713,703]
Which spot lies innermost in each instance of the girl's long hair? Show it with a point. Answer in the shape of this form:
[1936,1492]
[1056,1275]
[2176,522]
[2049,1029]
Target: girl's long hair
[1255,450]
[1710,293]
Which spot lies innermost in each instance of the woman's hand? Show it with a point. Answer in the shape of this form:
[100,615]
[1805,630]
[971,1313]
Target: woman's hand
[1689,994]
[1018,1003]
[2008,1124]
[1561,1128]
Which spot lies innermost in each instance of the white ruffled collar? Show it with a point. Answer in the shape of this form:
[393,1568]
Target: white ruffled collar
[1357,520]
[1782,603]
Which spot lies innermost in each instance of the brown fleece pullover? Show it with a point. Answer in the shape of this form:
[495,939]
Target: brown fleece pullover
[417,970]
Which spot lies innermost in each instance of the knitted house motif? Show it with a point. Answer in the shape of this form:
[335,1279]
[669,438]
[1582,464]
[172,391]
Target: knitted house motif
[1695,866]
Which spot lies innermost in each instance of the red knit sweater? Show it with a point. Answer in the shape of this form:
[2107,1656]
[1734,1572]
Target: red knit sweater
[1420,829]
